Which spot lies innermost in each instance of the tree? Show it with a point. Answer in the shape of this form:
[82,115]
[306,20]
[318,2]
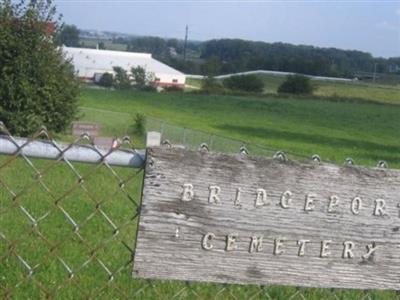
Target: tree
[38,85]
[246,83]
[141,77]
[69,36]
[211,66]
[121,79]
[296,84]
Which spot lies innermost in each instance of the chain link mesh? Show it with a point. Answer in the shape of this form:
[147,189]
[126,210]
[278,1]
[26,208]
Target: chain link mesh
[67,231]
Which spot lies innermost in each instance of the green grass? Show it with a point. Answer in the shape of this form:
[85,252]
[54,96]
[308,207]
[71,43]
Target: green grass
[335,130]
[384,93]
[379,93]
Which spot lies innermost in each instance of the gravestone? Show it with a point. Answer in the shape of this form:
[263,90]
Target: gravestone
[240,219]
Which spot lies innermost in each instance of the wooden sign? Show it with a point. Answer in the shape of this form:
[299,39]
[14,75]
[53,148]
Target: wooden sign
[238,219]
[79,128]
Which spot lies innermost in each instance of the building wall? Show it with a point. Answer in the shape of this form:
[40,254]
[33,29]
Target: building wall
[170,80]
[90,63]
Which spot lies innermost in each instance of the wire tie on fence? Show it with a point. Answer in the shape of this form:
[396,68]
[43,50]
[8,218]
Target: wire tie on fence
[382,164]
[166,143]
[349,161]
[203,148]
[316,158]
[243,150]
[281,156]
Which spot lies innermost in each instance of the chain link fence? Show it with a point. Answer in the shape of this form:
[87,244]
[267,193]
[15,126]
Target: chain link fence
[68,220]
[193,139]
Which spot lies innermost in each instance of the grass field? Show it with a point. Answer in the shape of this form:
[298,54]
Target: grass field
[385,93]
[364,131]
[335,130]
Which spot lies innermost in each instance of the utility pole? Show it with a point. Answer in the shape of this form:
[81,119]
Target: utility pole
[375,72]
[185,45]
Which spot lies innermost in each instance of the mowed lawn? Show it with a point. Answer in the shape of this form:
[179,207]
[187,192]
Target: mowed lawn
[77,235]
[366,132]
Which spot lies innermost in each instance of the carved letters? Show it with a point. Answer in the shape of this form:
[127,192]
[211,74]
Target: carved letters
[288,200]
[256,244]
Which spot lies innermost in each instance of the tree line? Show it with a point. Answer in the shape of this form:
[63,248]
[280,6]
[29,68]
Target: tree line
[223,56]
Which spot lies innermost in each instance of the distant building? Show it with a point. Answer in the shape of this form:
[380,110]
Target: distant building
[90,64]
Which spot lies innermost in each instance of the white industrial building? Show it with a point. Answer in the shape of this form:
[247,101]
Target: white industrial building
[90,64]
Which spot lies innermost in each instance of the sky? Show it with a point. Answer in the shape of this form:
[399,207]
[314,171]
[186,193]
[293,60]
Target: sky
[371,26]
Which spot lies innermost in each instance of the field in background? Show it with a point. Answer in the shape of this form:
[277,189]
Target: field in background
[109,45]
[385,93]
[366,132]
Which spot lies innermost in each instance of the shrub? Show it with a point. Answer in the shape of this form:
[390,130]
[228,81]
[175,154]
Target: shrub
[246,83]
[141,77]
[37,84]
[139,125]
[211,85]
[148,88]
[296,84]
[106,80]
[173,88]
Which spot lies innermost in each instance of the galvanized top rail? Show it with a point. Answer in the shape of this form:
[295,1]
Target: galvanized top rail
[72,152]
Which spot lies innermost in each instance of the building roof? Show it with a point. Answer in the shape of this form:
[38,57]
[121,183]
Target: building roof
[104,60]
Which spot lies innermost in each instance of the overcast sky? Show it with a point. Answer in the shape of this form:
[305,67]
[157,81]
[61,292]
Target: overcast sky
[372,26]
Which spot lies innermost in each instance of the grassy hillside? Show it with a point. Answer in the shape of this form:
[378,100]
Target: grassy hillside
[335,130]
[385,93]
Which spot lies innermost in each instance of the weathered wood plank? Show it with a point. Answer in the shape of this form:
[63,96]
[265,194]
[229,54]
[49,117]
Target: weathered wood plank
[220,218]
